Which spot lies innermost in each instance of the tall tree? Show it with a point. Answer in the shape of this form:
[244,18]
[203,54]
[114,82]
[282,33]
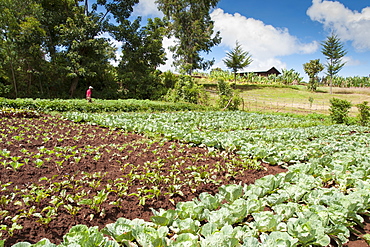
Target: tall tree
[191,25]
[312,68]
[142,53]
[85,53]
[55,13]
[237,59]
[333,50]
[21,38]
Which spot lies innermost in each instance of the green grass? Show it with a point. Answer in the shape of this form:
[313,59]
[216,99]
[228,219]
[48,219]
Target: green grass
[296,99]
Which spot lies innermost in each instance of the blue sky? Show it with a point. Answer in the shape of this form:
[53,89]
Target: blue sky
[286,33]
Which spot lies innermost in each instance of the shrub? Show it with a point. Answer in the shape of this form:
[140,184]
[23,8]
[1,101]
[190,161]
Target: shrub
[339,109]
[228,99]
[364,115]
[187,90]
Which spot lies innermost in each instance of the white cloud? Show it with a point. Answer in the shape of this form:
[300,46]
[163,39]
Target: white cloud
[167,42]
[264,42]
[351,62]
[347,24]
[116,44]
[147,8]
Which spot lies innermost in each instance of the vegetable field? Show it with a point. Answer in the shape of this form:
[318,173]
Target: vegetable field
[182,179]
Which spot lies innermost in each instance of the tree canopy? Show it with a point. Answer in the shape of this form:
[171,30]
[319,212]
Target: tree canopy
[312,68]
[237,59]
[57,48]
[191,25]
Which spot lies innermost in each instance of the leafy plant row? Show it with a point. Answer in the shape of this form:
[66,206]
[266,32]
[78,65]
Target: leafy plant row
[129,105]
[45,143]
[11,113]
[220,121]
[324,197]
[320,199]
[274,139]
[288,209]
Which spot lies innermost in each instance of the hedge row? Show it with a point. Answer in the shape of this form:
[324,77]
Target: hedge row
[130,105]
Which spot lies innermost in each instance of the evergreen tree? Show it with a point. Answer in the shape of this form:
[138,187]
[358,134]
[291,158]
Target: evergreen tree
[333,50]
[237,59]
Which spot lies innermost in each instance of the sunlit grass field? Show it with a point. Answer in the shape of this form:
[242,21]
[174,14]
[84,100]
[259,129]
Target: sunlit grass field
[297,99]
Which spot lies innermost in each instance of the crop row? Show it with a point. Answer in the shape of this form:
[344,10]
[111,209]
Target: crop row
[129,105]
[50,149]
[274,139]
[325,193]
[320,199]
[288,209]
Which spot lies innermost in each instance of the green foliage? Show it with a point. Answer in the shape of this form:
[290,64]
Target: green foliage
[333,50]
[364,115]
[168,79]
[288,77]
[187,90]
[224,88]
[191,24]
[54,49]
[228,98]
[237,59]
[366,237]
[21,41]
[81,235]
[142,53]
[312,68]
[347,82]
[132,105]
[339,109]
[10,112]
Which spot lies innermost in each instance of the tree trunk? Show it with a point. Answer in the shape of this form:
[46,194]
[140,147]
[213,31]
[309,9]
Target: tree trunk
[14,80]
[73,87]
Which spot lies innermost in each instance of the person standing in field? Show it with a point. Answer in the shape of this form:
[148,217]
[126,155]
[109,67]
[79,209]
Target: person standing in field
[88,94]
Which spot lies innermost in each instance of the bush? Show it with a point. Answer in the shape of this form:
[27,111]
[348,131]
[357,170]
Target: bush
[339,110]
[228,99]
[168,79]
[130,105]
[187,90]
[364,116]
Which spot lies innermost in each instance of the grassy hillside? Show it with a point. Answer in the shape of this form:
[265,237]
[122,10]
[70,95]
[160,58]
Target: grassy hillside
[296,99]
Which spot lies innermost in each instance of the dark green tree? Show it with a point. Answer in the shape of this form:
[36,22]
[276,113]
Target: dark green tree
[21,39]
[142,53]
[312,68]
[332,49]
[237,59]
[191,25]
[55,13]
[55,48]
[85,53]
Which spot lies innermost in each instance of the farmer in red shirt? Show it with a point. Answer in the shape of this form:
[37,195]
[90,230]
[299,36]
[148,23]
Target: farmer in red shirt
[88,94]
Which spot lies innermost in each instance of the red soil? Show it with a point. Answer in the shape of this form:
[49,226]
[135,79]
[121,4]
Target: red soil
[109,151]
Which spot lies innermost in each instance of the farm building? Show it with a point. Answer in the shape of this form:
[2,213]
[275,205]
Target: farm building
[272,71]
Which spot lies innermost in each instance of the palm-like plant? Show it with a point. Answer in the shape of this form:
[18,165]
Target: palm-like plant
[312,68]
[237,59]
